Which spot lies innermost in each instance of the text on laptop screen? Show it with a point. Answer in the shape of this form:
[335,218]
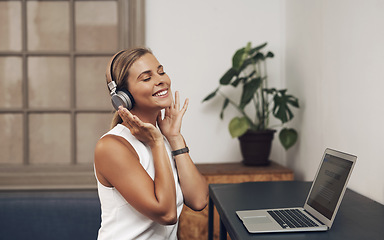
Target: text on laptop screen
[329,184]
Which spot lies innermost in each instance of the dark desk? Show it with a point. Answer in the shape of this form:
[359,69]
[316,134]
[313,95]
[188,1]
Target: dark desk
[358,217]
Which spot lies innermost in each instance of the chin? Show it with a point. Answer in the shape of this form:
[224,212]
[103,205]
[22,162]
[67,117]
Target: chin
[166,105]
[166,102]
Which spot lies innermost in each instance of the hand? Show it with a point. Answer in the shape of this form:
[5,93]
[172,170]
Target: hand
[170,126]
[144,132]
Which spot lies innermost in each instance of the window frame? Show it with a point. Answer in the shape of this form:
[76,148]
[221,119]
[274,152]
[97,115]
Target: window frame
[131,26]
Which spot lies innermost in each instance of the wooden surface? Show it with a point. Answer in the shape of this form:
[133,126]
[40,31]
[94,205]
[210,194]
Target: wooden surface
[194,225]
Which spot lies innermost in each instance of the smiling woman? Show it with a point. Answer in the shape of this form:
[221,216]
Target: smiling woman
[143,159]
[150,86]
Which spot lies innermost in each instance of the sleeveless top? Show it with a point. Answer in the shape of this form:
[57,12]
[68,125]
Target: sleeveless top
[119,220]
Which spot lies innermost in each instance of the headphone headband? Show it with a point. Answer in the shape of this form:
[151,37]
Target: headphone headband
[108,73]
[122,97]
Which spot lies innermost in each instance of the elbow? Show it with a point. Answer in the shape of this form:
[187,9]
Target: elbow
[168,219]
[166,216]
[199,204]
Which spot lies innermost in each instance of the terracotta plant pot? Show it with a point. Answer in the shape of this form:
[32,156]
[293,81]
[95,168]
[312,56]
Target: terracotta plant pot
[256,147]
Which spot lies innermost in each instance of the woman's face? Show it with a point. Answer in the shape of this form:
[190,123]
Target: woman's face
[149,85]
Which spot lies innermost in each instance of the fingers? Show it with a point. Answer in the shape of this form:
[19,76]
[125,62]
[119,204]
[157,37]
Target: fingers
[177,100]
[185,106]
[124,116]
[176,104]
[129,119]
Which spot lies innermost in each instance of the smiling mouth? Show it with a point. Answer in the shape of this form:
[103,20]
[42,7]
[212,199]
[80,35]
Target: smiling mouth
[160,93]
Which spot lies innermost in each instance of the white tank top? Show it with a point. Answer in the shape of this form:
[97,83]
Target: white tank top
[119,220]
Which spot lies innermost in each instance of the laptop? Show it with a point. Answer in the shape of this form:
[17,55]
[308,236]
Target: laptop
[321,205]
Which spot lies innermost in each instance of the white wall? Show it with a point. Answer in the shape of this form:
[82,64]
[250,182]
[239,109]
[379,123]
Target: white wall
[195,41]
[335,64]
[328,53]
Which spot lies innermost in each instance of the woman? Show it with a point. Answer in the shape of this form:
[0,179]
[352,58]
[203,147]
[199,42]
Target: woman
[142,165]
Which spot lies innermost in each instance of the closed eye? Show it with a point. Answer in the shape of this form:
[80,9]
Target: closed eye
[160,70]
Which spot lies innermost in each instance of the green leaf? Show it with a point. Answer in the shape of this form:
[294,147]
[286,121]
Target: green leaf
[211,95]
[248,47]
[226,79]
[246,63]
[258,48]
[288,137]
[293,101]
[237,81]
[270,55]
[238,126]
[249,90]
[270,90]
[281,108]
[226,101]
[238,58]
[259,56]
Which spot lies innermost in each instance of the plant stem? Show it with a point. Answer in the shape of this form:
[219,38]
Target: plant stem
[265,97]
[262,119]
[257,107]
[239,109]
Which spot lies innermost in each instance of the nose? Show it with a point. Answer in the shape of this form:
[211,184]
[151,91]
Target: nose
[160,80]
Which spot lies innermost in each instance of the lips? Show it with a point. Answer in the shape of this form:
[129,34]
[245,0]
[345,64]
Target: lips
[161,93]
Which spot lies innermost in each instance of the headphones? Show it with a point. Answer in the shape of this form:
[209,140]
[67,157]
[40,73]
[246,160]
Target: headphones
[121,97]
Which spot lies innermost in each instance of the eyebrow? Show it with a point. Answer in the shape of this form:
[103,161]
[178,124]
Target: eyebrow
[149,71]
[143,73]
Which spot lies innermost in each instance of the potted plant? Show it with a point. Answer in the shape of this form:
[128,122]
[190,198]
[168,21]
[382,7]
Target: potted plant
[248,72]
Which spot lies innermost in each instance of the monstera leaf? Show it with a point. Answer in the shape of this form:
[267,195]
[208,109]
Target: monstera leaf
[282,101]
[248,74]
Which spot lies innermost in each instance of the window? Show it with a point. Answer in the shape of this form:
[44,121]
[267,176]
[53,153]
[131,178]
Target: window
[54,103]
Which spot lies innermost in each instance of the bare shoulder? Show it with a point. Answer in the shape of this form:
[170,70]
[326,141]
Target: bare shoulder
[112,145]
[114,156]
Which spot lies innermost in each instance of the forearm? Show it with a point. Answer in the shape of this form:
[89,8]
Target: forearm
[164,183]
[192,183]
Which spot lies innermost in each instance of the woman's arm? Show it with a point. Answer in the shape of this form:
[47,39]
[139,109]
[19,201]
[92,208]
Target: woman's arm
[192,183]
[117,164]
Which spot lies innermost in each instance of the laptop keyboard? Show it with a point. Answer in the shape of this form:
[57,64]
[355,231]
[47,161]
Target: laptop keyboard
[291,218]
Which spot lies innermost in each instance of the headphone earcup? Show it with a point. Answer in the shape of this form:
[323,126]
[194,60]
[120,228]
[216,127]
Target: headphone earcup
[123,98]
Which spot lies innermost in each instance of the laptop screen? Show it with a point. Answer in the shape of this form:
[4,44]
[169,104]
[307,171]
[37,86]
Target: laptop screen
[329,184]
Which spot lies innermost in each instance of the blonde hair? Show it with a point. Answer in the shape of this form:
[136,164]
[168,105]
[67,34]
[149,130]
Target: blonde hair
[120,72]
